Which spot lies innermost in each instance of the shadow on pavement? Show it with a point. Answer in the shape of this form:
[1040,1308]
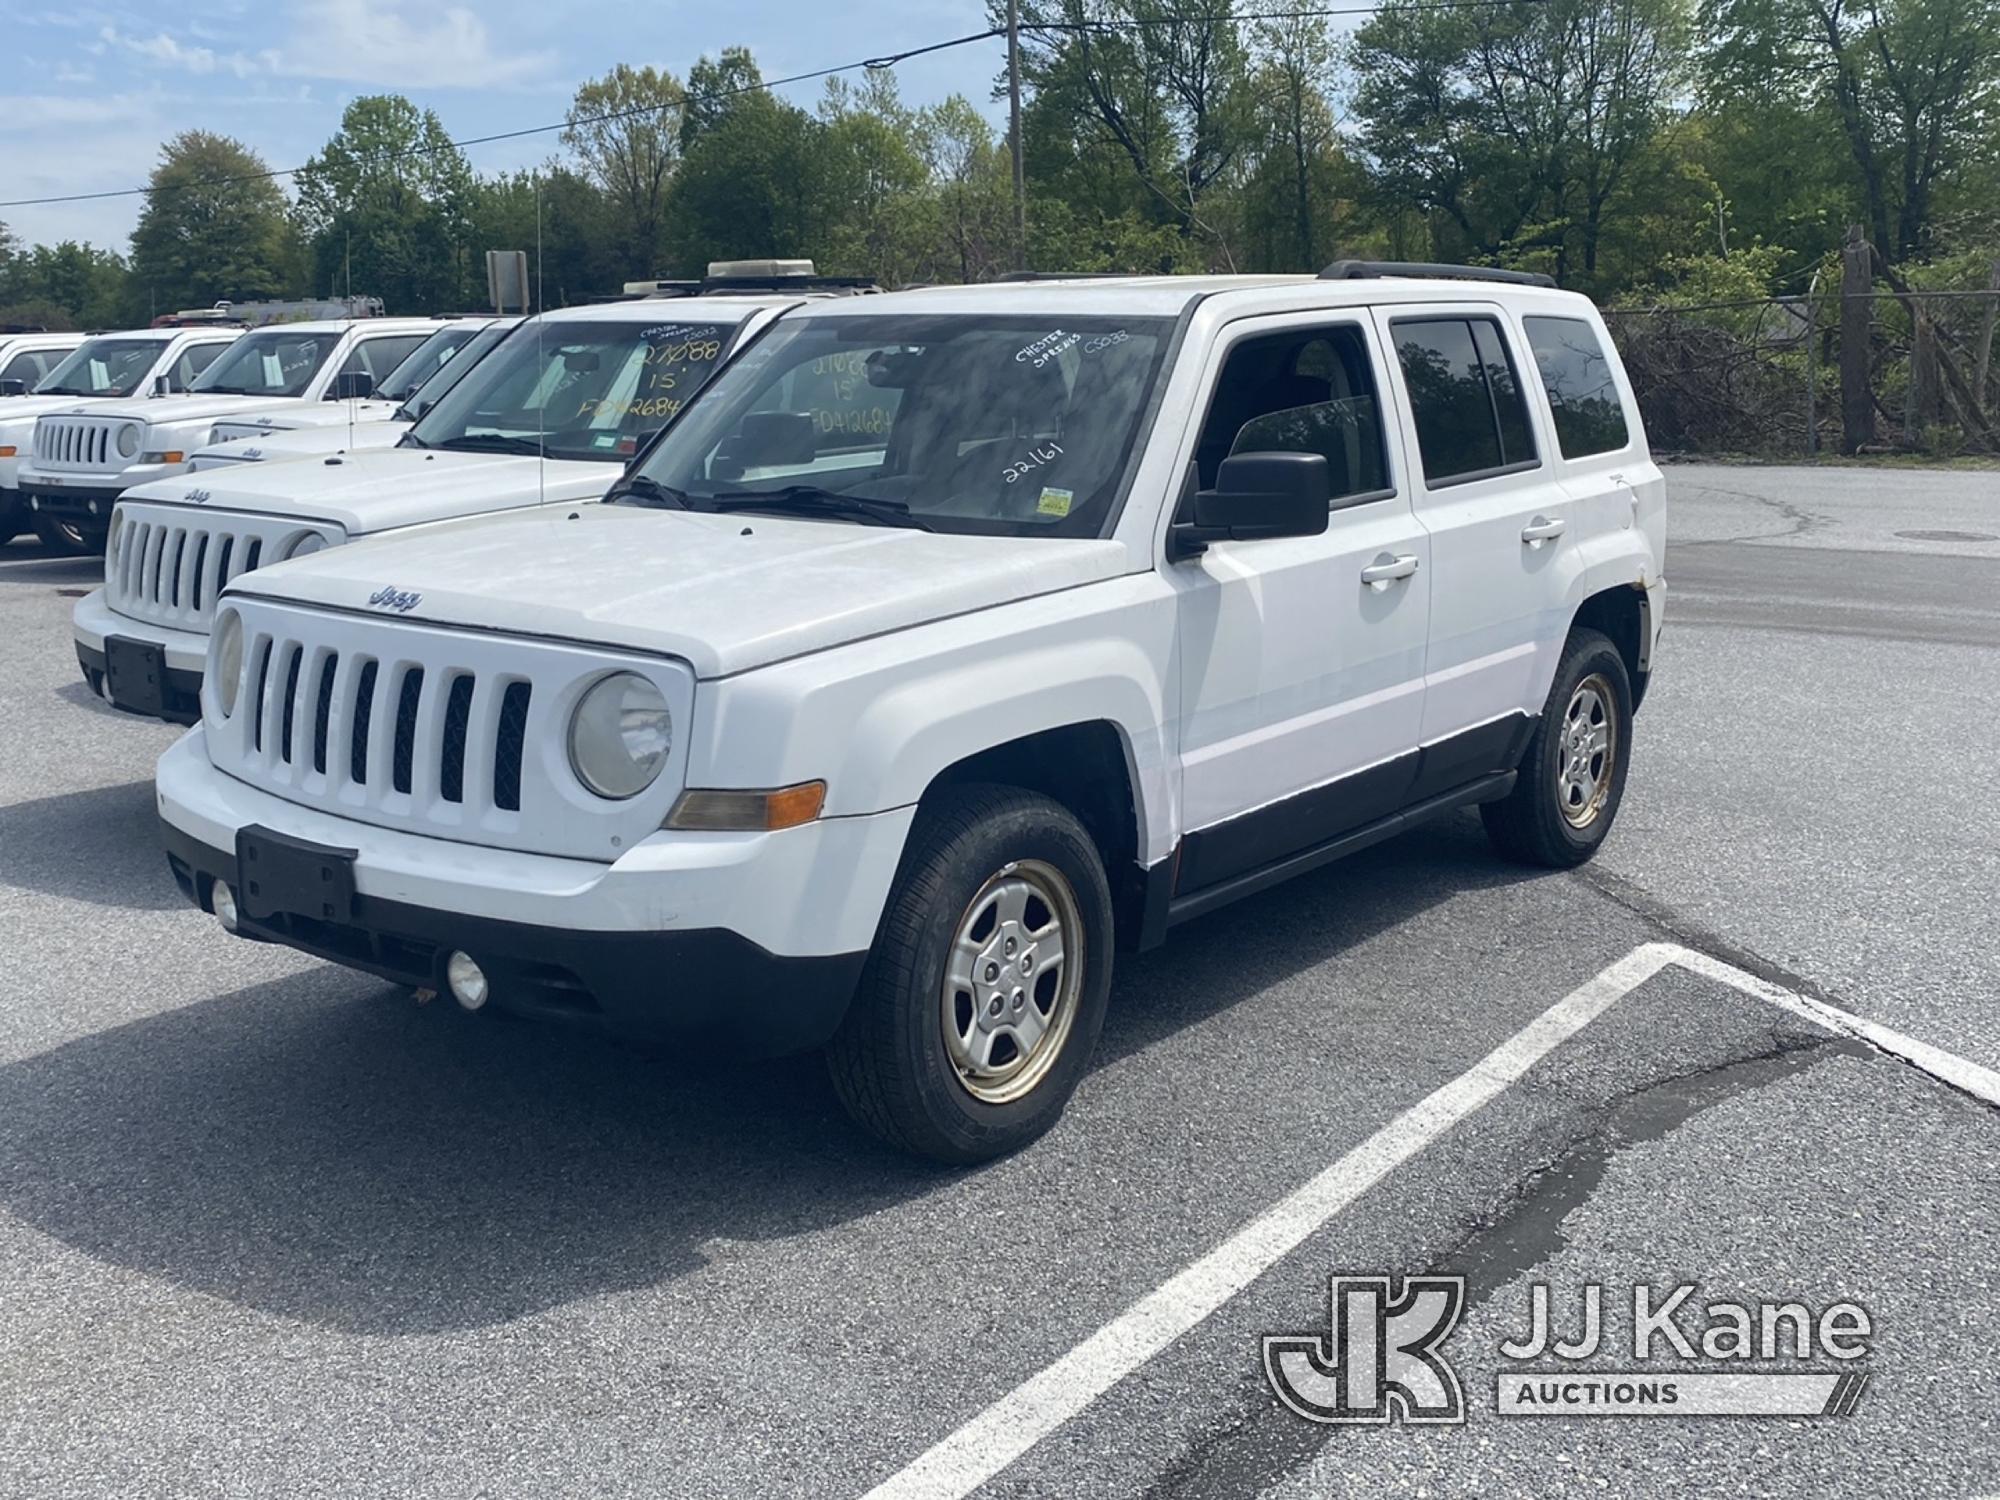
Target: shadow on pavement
[358,1161]
[100,845]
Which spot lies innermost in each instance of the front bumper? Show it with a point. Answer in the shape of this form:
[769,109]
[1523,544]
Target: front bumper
[88,506]
[185,654]
[748,943]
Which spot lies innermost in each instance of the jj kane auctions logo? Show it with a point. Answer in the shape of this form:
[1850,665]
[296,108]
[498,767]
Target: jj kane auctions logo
[1382,1357]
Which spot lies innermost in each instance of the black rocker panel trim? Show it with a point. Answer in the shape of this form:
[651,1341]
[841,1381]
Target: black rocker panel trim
[1322,814]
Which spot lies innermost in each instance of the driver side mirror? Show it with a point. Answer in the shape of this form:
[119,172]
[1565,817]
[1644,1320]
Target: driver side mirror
[13,387]
[1257,496]
[163,385]
[353,385]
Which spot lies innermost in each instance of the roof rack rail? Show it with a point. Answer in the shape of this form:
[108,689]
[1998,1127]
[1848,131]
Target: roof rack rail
[1360,270]
[1065,276]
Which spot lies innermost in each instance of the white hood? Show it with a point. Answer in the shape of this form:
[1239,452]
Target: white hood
[309,442]
[385,488]
[724,593]
[18,413]
[192,408]
[302,415]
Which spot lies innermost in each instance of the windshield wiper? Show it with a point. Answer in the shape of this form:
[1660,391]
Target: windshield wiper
[643,489]
[70,390]
[812,500]
[492,442]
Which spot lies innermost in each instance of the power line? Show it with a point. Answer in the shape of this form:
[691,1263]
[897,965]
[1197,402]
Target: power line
[871,64]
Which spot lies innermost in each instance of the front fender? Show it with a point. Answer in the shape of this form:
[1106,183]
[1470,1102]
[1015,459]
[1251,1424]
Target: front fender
[879,720]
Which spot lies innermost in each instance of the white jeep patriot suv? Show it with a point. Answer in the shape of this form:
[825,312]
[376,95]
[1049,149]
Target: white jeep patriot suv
[82,462]
[949,642]
[552,415]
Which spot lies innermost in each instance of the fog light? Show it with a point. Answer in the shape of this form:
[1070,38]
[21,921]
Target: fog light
[93,507]
[467,981]
[223,899]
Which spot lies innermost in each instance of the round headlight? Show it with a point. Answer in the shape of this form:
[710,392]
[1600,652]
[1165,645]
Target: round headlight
[620,735]
[225,662]
[128,440]
[305,546]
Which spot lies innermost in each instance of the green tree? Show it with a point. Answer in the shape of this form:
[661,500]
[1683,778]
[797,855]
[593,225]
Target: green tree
[1912,85]
[67,285]
[716,89]
[625,131]
[214,226]
[750,185]
[386,205]
[562,220]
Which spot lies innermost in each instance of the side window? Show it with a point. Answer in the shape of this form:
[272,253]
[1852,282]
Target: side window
[1311,391]
[1465,396]
[1577,376]
[31,366]
[194,359]
[379,356]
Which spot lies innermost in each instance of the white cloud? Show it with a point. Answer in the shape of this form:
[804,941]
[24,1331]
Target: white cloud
[168,53]
[396,44]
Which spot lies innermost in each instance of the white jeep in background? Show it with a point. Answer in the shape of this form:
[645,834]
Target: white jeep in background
[950,642]
[107,367]
[82,462]
[551,417]
[27,358]
[401,396]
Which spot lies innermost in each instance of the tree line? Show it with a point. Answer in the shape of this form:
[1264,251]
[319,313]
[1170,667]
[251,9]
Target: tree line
[1634,149]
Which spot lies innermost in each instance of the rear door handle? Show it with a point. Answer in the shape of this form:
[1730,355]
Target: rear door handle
[1542,529]
[1386,570]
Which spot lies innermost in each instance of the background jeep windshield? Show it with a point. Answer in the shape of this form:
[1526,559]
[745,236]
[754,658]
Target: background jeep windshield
[1009,426]
[424,361]
[103,367]
[273,362]
[587,390]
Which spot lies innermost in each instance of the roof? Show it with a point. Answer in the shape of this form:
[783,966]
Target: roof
[334,325]
[730,309]
[1168,296]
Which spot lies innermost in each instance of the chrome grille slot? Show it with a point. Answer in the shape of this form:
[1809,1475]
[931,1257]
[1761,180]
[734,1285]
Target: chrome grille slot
[456,734]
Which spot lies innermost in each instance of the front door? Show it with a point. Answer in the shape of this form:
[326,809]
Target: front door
[1301,659]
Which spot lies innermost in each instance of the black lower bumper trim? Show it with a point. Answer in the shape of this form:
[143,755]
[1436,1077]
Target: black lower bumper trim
[71,504]
[181,692]
[710,988]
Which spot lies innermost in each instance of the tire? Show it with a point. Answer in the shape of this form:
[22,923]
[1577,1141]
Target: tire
[67,539]
[952,1090]
[1566,798]
[8,531]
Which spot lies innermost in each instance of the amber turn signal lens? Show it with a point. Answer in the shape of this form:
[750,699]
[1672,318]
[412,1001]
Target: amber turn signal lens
[7,450]
[748,812]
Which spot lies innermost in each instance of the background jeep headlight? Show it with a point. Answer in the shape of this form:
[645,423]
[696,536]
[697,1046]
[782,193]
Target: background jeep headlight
[226,661]
[619,736]
[128,439]
[304,546]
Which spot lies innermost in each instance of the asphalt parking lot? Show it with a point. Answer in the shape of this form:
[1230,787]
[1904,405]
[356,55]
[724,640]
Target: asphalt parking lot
[271,1228]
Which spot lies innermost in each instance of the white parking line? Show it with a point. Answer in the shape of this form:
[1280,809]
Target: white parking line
[958,1464]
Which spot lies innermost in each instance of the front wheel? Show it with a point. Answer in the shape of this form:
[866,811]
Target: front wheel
[66,538]
[984,994]
[1572,778]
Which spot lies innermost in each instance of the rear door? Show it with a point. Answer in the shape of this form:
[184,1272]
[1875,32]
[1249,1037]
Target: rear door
[1498,520]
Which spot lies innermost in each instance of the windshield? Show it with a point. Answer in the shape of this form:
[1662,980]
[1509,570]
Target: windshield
[103,367]
[1006,426]
[586,390]
[453,370]
[271,362]
[424,361]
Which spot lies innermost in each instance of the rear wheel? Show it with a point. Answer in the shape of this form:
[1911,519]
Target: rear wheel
[986,988]
[67,538]
[1572,778]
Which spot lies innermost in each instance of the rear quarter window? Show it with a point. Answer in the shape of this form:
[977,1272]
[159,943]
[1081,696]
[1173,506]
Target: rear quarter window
[1575,372]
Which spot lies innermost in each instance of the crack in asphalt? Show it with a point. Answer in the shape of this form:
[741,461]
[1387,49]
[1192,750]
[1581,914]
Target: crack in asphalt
[1801,521]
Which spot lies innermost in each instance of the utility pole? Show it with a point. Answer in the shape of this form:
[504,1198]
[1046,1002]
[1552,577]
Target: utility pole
[1014,134]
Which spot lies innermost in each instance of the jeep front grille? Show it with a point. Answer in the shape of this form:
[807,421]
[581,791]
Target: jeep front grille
[457,734]
[169,563]
[86,444]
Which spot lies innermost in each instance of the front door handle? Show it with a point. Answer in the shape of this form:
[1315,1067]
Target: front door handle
[1388,569]
[1542,529]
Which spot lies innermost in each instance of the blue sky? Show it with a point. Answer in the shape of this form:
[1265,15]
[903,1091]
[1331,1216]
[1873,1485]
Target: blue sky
[89,92]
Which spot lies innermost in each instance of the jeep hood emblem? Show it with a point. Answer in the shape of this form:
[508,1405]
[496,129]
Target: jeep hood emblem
[402,601]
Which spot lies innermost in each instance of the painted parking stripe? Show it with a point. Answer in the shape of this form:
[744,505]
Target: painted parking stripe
[984,1446]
